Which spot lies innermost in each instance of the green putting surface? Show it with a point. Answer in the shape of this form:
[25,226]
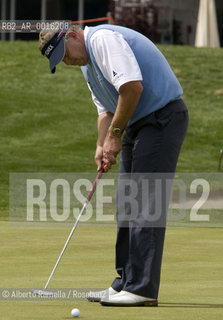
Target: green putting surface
[191,284]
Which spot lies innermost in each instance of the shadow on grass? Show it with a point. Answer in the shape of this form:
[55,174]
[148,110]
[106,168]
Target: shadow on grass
[190,305]
[172,305]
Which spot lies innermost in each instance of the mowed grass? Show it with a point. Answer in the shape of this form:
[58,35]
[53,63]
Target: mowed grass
[200,73]
[191,286]
[48,124]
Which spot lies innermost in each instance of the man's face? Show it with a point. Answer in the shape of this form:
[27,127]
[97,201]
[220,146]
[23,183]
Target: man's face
[76,53]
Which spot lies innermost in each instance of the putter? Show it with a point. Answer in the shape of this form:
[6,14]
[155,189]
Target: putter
[45,292]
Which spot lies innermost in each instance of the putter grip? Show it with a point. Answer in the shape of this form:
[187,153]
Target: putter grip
[95,183]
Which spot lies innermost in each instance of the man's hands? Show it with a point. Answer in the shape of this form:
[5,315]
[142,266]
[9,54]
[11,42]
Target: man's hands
[111,148]
[109,144]
[108,153]
[98,157]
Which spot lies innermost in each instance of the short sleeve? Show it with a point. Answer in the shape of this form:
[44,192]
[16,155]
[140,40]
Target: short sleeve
[115,58]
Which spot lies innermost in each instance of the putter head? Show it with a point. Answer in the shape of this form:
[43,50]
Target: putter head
[40,292]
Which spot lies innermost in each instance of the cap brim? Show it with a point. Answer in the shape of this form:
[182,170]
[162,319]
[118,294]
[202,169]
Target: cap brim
[57,55]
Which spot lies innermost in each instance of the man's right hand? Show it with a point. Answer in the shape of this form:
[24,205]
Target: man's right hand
[98,157]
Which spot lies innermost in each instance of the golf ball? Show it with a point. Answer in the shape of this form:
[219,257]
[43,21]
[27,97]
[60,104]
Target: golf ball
[75,312]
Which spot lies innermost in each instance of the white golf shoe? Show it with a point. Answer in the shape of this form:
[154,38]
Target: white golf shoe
[128,299]
[96,296]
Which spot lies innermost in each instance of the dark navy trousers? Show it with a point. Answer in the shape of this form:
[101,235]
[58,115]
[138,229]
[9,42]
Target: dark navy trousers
[151,145]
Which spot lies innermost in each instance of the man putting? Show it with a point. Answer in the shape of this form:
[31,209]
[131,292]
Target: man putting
[140,113]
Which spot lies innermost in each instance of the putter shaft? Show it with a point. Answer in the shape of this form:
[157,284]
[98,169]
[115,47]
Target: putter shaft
[64,248]
[90,194]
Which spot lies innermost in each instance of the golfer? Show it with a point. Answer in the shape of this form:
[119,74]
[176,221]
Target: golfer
[142,115]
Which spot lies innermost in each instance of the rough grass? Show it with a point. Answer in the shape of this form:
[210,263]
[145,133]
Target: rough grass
[200,72]
[48,122]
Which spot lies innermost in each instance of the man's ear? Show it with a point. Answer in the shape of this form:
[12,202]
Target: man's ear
[71,34]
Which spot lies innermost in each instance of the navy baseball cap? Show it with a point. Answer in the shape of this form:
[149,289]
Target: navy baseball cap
[55,50]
